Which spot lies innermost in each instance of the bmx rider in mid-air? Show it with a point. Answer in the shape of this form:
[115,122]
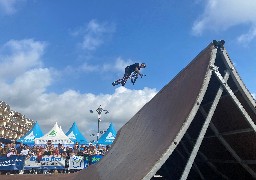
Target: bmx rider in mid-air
[129,71]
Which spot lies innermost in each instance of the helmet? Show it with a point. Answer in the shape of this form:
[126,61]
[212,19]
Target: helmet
[143,65]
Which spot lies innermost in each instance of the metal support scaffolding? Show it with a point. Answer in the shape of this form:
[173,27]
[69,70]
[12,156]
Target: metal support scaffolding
[203,130]
[215,130]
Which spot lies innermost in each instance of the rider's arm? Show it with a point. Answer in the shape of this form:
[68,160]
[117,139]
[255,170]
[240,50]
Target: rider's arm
[138,71]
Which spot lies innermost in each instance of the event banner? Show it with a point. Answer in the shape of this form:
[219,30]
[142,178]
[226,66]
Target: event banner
[77,162]
[46,162]
[81,162]
[12,163]
[94,159]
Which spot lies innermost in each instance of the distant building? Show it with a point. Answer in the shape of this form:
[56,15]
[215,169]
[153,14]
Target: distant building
[13,124]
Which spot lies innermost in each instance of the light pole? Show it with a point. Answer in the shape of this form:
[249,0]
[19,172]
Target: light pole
[99,111]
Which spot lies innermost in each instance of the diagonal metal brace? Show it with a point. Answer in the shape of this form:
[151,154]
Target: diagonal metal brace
[235,100]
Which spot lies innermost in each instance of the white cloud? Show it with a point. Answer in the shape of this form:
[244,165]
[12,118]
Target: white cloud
[220,15]
[73,106]
[19,56]
[26,88]
[89,68]
[119,65]
[27,93]
[94,34]
[9,6]
[246,38]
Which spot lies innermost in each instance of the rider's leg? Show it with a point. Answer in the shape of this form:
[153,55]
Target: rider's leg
[117,82]
[124,81]
[126,76]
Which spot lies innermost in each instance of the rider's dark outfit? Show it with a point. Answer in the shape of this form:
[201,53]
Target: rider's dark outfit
[130,69]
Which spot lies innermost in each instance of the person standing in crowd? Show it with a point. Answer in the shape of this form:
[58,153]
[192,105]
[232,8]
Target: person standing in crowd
[1,149]
[39,155]
[25,151]
[6,149]
[69,151]
[11,152]
[56,151]
[76,149]
[61,149]
[20,148]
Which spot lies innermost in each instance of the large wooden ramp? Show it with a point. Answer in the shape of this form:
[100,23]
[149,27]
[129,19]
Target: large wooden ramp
[144,144]
[199,126]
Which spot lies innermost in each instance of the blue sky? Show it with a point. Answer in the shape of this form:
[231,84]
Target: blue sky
[59,57]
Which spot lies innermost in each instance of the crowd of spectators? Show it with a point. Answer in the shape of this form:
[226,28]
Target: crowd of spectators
[50,149]
[65,151]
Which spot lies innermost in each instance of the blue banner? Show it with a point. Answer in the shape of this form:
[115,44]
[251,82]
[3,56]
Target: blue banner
[95,158]
[12,163]
[46,162]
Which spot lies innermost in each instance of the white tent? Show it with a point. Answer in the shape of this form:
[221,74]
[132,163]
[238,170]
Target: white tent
[56,135]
